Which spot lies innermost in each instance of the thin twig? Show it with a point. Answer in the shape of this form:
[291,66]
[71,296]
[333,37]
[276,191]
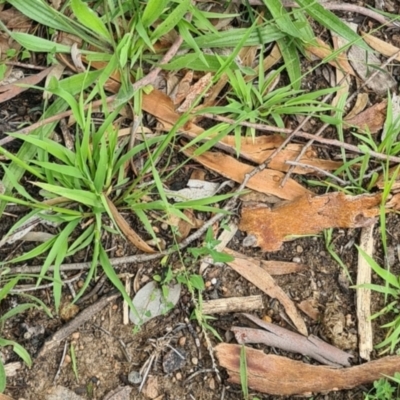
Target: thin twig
[61,362]
[320,170]
[31,288]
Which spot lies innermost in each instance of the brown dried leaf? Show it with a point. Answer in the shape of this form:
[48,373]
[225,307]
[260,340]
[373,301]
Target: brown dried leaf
[130,234]
[308,215]
[323,50]
[276,336]
[359,106]
[266,181]
[371,120]
[181,89]
[271,267]
[381,46]
[251,271]
[281,376]
[260,148]
[365,63]
[13,89]
[310,308]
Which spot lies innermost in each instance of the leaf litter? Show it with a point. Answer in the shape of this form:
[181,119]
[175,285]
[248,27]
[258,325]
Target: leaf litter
[301,213]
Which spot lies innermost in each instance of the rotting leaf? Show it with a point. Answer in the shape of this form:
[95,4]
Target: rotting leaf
[307,215]
[130,234]
[150,302]
[277,375]
[276,336]
[266,181]
[371,119]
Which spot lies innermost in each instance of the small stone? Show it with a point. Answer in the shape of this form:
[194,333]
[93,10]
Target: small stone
[267,318]
[150,389]
[182,341]
[134,377]
[211,384]
[296,260]
[178,376]
[207,284]
[164,226]
[67,359]
[195,360]
[80,284]
[299,249]
[115,307]
[75,335]
[214,281]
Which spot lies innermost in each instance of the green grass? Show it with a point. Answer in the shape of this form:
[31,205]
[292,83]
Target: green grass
[78,186]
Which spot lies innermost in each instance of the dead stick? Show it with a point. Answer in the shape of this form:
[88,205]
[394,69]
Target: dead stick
[232,304]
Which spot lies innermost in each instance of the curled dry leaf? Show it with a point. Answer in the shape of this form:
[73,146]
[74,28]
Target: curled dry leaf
[370,120]
[281,376]
[266,181]
[130,234]
[276,336]
[307,215]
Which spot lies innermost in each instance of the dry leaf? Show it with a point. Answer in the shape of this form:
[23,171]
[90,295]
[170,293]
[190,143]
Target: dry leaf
[370,120]
[307,215]
[310,308]
[271,267]
[276,336]
[359,106]
[381,46]
[323,51]
[281,376]
[260,148]
[10,91]
[184,227]
[266,181]
[261,279]
[130,234]
[365,63]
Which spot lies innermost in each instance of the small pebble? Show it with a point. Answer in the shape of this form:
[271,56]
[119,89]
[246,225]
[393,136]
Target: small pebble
[195,360]
[115,307]
[178,376]
[211,384]
[164,226]
[75,335]
[213,281]
[296,260]
[267,318]
[67,359]
[134,377]
[207,284]
[299,249]
[182,341]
